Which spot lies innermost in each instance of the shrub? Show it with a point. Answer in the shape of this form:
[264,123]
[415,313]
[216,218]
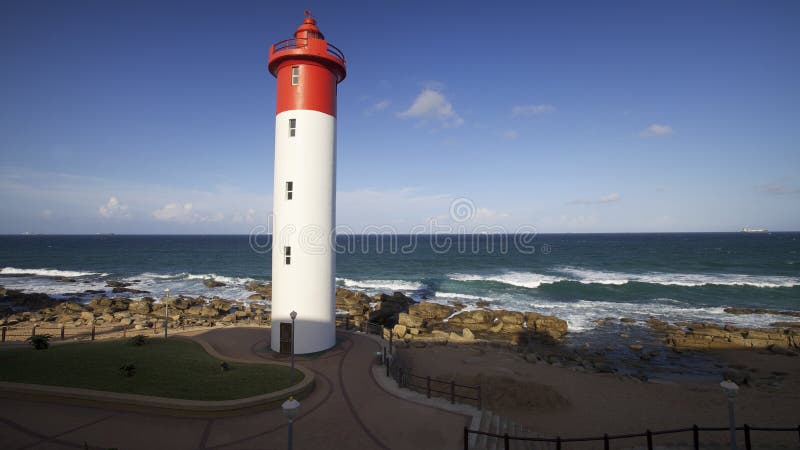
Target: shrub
[128,370]
[40,341]
[139,340]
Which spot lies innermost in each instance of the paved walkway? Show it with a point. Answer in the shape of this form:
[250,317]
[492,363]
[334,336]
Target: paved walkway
[346,410]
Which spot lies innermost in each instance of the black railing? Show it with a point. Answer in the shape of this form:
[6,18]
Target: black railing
[429,386]
[648,435]
[297,43]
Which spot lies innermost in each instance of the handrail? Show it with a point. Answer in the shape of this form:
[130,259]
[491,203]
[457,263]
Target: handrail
[608,437]
[299,43]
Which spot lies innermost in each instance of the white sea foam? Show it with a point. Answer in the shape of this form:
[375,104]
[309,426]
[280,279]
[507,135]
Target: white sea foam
[456,295]
[390,285]
[588,276]
[47,272]
[220,278]
[521,279]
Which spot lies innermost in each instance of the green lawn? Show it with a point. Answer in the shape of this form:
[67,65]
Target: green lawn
[164,368]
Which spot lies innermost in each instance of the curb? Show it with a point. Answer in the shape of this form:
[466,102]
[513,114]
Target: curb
[162,405]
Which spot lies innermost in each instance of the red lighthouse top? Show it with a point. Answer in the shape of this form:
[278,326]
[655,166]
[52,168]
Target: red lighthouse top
[308,45]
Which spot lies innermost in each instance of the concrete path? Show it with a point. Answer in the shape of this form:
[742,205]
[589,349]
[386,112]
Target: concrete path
[346,410]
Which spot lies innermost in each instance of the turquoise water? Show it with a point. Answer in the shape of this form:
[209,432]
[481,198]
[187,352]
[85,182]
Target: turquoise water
[579,277]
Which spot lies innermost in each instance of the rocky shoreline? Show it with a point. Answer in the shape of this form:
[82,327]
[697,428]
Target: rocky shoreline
[407,321]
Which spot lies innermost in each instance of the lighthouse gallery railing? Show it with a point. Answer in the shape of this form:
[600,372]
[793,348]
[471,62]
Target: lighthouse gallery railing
[296,43]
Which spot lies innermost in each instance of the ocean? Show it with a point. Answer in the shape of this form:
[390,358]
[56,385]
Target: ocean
[578,277]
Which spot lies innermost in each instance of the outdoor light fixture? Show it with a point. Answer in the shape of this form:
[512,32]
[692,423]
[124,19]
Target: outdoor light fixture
[293,315]
[731,389]
[166,311]
[290,408]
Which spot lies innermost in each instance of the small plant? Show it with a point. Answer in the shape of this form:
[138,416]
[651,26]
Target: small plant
[40,341]
[139,340]
[128,370]
[224,366]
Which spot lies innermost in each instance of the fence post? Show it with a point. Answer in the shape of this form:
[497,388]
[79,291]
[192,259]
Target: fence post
[649,440]
[428,385]
[466,438]
[747,436]
[505,441]
[696,437]
[346,323]
[606,444]
[558,442]
[62,332]
[391,336]
[480,399]
[400,376]
[33,331]
[452,392]
[4,333]
[92,331]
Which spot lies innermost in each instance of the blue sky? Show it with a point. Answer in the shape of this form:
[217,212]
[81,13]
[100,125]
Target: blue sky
[158,117]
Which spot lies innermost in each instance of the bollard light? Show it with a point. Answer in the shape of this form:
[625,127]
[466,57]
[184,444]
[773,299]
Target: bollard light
[731,389]
[290,408]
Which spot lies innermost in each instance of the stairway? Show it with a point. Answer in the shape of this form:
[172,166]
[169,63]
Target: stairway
[493,423]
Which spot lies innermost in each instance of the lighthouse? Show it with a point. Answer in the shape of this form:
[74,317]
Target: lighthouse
[308,70]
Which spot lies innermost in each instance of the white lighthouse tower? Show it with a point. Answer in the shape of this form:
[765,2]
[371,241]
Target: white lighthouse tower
[308,70]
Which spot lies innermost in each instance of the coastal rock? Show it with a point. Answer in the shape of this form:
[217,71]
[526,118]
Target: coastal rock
[256,297]
[33,301]
[741,311]
[388,307]
[410,321]
[428,310]
[705,336]
[117,284]
[221,305]
[550,326]
[120,290]
[142,306]
[105,304]
[479,319]
[264,289]
[212,283]
[465,338]
[399,330]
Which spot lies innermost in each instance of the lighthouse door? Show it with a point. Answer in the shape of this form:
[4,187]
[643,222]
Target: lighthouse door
[286,338]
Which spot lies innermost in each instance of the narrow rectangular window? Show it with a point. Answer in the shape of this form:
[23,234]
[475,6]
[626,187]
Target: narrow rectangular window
[289,189]
[295,75]
[287,254]
[292,127]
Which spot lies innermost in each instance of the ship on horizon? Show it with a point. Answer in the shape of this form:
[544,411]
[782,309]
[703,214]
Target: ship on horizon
[754,230]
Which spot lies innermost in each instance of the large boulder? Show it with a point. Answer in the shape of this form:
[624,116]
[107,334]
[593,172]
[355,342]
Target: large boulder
[212,283]
[511,321]
[466,337]
[264,289]
[428,310]
[143,306]
[221,305]
[478,319]
[550,326]
[387,307]
[410,321]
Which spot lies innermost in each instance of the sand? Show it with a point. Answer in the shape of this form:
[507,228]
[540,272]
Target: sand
[572,403]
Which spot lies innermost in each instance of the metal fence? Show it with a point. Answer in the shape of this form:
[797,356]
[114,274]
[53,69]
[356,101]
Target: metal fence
[648,435]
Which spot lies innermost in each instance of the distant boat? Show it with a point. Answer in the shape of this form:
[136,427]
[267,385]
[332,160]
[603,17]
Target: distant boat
[104,234]
[754,230]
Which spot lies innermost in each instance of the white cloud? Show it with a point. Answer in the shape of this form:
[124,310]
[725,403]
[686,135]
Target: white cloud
[113,209]
[432,104]
[610,198]
[656,130]
[185,212]
[380,106]
[530,110]
[510,135]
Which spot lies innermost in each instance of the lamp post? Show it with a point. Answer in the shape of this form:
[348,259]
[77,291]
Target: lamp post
[293,315]
[166,311]
[290,408]
[731,389]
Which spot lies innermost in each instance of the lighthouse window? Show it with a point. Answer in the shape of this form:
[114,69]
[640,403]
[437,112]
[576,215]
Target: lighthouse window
[295,75]
[287,254]
[292,127]
[289,189]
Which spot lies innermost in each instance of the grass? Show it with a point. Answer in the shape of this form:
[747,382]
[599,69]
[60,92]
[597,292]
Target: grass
[164,368]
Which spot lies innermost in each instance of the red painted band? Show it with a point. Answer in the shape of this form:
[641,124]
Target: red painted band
[315,89]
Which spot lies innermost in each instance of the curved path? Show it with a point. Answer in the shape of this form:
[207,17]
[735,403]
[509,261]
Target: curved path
[346,410]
